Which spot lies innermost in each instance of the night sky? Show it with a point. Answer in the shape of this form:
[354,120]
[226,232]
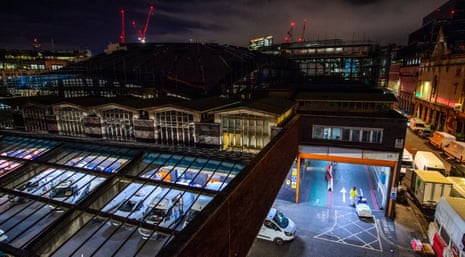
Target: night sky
[84,24]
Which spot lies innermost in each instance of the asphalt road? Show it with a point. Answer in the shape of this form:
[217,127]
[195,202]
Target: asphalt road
[414,143]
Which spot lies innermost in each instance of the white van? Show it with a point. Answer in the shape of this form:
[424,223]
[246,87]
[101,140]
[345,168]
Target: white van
[441,139]
[417,124]
[166,210]
[456,150]
[406,162]
[196,208]
[425,160]
[277,228]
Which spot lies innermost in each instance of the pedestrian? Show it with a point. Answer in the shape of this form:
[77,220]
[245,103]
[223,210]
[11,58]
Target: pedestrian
[353,195]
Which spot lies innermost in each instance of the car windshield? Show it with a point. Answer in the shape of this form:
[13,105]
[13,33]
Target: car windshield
[407,164]
[280,219]
[29,185]
[156,215]
[437,169]
[191,215]
[61,192]
[127,206]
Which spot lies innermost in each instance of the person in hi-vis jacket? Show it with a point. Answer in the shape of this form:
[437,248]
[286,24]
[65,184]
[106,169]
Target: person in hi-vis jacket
[353,195]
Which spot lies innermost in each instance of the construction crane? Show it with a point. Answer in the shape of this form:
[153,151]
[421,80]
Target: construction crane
[147,20]
[122,37]
[141,33]
[288,38]
[140,36]
[302,37]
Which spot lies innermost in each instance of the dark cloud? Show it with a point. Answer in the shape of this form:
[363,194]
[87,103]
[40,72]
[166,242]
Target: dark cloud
[93,24]
[362,2]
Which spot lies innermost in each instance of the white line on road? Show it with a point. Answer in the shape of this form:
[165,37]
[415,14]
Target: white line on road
[343,191]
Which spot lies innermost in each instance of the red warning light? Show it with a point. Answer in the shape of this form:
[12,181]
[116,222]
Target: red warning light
[292,24]
[452,12]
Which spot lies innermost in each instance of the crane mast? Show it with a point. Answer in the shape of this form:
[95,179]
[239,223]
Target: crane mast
[122,38]
[302,37]
[288,38]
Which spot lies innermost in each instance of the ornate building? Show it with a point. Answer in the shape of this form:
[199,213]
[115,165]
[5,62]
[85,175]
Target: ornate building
[440,92]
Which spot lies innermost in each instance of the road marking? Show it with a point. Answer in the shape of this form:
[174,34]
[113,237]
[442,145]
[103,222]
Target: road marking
[343,191]
[343,232]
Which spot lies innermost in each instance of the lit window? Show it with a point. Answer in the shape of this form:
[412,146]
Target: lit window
[365,135]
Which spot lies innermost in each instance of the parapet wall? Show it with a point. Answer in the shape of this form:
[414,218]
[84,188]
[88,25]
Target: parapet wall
[234,217]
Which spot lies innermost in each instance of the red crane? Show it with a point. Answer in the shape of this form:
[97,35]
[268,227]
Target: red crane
[141,33]
[122,38]
[140,36]
[302,37]
[147,20]
[288,38]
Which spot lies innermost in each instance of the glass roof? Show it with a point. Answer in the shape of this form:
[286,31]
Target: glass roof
[105,200]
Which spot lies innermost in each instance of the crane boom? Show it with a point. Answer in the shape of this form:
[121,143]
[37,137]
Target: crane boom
[148,20]
[138,31]
[288,38]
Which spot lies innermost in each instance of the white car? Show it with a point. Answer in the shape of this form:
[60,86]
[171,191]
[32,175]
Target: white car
[132,208]
[362,209]
[3,236]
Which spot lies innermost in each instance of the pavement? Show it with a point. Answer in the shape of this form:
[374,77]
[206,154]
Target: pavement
[330,228]
[333,232]
[410,222]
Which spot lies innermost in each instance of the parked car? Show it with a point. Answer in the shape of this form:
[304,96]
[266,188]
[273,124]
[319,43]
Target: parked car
[132,208]
[196,208]
[277,228]
[425,133]
[3,236]
[362,208]
[32,186]
[457,170]
[417,125]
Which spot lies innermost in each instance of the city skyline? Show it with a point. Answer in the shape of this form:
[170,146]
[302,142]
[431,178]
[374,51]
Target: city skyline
[93,25]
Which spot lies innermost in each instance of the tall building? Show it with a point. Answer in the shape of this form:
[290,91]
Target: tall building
[450,18]
[440,92]
[153,70]
[337,60]
[20,70]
